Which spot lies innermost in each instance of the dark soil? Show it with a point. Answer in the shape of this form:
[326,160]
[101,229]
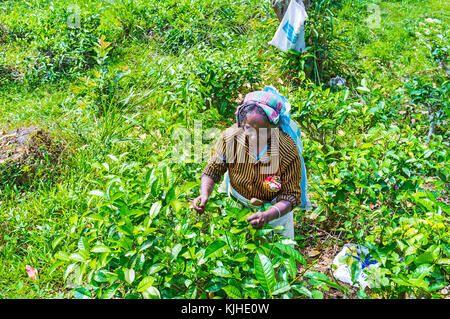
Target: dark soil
[27,153]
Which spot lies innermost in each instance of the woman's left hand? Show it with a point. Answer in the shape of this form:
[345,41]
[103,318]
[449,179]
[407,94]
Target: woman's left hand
[258,220]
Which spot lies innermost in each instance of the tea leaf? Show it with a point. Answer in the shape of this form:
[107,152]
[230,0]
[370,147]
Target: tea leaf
[129,275]
[154,210]
[281,287]
[291,252]
[221,272]
[232,291]
[214,248]
[264,272]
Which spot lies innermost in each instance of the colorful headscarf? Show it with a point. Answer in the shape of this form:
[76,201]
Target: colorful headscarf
[278,109]
[270,103]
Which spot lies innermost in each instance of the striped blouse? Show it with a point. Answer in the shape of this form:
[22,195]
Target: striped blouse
[233,152]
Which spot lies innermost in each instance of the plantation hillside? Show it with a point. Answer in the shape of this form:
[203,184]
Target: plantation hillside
[98,97]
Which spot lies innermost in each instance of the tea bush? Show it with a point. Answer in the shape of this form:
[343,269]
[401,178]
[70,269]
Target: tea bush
[139,239]
[116,223]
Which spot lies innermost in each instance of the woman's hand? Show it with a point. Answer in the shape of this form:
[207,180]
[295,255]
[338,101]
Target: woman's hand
[258,220]
[206,188]
[199,203]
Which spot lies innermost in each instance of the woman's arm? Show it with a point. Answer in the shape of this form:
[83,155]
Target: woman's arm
[206,188]
[277,210]
[211,174]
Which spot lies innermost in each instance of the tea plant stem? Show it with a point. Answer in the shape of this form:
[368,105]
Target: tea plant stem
[307,268]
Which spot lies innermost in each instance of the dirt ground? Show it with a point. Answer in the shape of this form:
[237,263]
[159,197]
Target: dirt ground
[322,255]
[27,149]
[430,186]
[16,144]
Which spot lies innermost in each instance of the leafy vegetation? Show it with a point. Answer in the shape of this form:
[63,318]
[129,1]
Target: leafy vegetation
[115,80]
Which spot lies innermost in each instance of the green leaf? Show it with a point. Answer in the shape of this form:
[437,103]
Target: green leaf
[362,89]
[317,294]
[237,213]
[145,283]
[155,268]
[100,276]
[110,292]
[62,256]
[82,293]
[77,257]
[176,250]
[191,293]
[115,159]
[400,281]
[419,283]
[240,257]
[146,244]
[214,286]
[425,258]
[317,275]
[422,271]
[221,272]
[69,270]
[411,282]
[57,241]
[232,292]
[83,244]
[443,261]
[291,252]
[324,278]
[281,287]
[155,188]
[214,248]
[362,294]
[55,266]
[355,270]
[406,171]
[316,212]
[151,293]
[125,229]
[264,272]
[100,249]
[97,193]
[129,275]
[291,266]
[176,205]
[302,290]
[154,210]
[171,195]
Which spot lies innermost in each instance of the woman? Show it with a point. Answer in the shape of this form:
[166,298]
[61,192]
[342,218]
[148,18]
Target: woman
[260,157]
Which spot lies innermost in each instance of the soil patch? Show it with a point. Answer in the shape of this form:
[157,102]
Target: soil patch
[27,153]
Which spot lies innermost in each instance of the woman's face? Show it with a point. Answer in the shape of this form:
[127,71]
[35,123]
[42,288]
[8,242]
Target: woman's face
[256,126]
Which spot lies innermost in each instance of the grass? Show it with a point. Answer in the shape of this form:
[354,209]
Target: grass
[35,225]
[392,51]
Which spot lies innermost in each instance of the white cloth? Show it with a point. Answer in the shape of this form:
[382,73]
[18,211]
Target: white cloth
[287,220]
[291,32]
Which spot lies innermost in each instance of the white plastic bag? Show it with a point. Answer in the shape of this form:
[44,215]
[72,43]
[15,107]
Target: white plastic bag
[291,32]
[342,270]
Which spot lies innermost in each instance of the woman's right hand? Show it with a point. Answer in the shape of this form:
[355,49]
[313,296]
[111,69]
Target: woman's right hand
[199,203]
